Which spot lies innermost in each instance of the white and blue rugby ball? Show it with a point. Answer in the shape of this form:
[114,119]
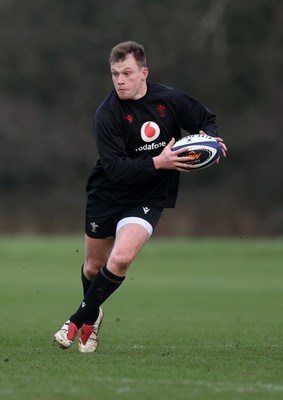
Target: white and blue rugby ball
[204,150]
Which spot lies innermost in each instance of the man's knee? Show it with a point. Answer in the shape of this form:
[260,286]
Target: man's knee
[119,262]
[97,253]
[91,268]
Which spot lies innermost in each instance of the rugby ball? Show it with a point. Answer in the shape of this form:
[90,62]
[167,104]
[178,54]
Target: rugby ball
[204,150]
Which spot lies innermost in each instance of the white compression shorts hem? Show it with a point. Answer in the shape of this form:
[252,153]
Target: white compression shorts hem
[135,220]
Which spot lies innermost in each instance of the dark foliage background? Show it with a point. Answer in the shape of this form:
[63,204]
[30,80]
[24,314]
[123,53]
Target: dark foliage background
[54,72]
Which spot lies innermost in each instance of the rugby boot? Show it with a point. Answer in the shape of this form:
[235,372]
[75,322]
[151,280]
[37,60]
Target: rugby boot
[66,335]
[88,341]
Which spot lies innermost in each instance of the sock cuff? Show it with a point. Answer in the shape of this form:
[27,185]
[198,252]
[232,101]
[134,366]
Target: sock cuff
[110,276]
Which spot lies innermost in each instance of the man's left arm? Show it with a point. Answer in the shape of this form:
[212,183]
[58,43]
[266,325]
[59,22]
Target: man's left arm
[198,119]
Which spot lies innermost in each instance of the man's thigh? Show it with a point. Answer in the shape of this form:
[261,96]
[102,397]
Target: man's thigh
[128,242]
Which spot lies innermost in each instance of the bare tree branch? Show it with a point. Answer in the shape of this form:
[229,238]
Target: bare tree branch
[209,23]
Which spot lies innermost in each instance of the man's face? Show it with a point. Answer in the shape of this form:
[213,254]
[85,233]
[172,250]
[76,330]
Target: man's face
[129,78]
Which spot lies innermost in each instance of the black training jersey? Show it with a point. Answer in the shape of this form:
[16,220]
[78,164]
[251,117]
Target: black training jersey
[129,133]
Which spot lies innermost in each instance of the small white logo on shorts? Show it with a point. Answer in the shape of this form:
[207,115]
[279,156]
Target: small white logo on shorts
[83,304]
[146,210]
[94,226]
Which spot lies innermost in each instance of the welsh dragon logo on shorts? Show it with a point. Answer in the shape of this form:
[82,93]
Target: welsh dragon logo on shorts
[94,227]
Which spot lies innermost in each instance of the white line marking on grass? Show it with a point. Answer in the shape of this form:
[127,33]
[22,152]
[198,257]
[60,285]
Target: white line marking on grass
[223,386]
[124,390]
[218,387]
[238,346]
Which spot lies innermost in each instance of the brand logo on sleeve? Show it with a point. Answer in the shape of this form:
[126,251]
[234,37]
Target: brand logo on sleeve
[150,131]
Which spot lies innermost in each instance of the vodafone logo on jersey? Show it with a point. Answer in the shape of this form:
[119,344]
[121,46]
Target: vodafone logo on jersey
[150,131]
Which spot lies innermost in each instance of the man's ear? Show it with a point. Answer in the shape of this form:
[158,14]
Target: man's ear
[145,73]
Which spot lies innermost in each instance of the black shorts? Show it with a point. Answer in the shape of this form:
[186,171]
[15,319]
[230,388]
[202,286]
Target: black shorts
[104,220]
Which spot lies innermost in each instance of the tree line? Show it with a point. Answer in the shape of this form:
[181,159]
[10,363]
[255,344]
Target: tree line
[54,72]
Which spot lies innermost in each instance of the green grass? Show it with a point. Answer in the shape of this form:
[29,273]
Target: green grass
[195,319]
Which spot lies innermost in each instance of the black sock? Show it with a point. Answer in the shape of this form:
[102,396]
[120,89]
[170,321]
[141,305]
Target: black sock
[86,282]
[103,285]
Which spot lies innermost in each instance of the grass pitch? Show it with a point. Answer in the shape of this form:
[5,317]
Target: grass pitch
[195,319]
